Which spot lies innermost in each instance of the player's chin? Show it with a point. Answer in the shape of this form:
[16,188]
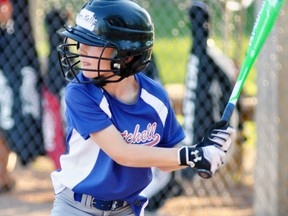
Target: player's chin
[90,75]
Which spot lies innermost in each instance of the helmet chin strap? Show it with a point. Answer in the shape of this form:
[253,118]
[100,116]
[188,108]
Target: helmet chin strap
[100,82]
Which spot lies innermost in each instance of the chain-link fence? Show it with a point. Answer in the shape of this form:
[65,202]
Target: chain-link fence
[198,49]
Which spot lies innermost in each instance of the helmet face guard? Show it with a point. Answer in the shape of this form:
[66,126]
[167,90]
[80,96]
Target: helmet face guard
[130,34]
[71,65]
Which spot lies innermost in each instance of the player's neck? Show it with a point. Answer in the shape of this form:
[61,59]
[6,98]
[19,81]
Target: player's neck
[125,91]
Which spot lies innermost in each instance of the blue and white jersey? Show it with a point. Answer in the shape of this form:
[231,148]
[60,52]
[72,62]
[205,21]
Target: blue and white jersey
[86,168]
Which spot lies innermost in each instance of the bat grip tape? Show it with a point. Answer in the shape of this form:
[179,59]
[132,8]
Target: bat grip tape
[228,112]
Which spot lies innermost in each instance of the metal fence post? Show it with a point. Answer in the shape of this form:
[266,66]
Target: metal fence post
[271,170]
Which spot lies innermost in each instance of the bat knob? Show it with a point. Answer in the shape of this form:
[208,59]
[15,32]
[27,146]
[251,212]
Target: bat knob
[204,173]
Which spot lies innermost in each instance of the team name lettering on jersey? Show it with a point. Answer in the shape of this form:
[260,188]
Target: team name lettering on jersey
[148,137]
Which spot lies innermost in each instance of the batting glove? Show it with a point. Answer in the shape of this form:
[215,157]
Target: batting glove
[208,155]
[218,135]
[208,158]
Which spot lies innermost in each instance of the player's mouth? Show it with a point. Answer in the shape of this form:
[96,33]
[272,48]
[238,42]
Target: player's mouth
[85,64]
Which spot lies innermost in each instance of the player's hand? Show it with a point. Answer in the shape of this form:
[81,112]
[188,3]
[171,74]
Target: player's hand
[208,158]
[218,135]
[208,155]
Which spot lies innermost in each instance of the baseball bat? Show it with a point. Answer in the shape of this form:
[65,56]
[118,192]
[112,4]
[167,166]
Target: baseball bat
[265,21]
[266,17]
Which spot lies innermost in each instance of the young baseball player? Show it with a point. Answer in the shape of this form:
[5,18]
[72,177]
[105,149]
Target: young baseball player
[119,121]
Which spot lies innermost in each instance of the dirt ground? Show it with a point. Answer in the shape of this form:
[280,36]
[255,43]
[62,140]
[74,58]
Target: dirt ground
[33,196]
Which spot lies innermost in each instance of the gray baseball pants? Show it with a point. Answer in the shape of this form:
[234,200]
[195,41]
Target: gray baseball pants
[65,205]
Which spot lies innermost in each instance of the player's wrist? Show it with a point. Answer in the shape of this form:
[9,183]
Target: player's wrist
[189,156]
[182,156]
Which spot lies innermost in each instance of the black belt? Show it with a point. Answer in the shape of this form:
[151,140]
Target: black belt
[103,205]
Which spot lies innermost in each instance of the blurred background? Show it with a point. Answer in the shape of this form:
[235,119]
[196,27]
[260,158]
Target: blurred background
[198,51]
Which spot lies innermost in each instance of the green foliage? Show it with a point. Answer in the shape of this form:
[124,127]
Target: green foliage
[169,17]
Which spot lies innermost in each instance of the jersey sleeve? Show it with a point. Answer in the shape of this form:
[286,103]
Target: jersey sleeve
[83,111]
[173,132]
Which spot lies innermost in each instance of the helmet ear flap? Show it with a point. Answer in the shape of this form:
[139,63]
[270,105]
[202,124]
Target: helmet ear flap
[133,66]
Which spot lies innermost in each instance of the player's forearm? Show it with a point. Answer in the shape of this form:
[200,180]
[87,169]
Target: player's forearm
[143,156]
[133,155]
[171,168]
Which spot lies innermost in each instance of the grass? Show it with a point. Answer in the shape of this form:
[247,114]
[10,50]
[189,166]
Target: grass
[171,56]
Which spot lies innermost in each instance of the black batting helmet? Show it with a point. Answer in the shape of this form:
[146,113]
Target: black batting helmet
[119,24]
